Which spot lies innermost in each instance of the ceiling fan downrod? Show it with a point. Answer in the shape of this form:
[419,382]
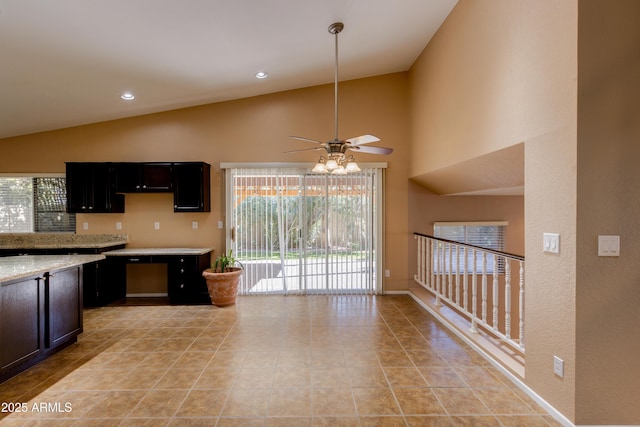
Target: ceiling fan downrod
[335,29]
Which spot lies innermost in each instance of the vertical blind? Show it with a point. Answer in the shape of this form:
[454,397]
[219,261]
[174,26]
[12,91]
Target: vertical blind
[297,232]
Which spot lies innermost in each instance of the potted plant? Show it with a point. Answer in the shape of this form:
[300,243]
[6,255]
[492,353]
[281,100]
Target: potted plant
[222,280]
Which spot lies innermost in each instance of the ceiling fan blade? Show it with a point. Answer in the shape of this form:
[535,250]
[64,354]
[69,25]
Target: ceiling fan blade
[362,139]
[304,149]
[306,139]
[372,150]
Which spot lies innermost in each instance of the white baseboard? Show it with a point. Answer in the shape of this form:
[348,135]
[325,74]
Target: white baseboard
[522,386]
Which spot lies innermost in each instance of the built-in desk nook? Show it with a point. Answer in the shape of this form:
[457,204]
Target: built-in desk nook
[185,284]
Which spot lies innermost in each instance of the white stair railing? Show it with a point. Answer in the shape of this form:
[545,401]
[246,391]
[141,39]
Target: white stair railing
[445,266]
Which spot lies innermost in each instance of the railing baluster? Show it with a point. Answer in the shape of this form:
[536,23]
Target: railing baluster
[484,287]
[507,298]
[458,275]
[474,294]
[449,274]
[435,272]
[439,275]
[495,292]
[521,305]
[465,281]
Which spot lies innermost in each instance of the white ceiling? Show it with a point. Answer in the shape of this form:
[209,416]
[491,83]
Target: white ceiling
[66,62]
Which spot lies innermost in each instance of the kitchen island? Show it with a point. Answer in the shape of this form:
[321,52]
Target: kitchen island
[40,307]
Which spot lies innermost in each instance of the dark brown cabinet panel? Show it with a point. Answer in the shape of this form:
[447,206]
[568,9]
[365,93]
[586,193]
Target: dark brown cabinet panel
[185,282]
[90,189]
[143,177]
[20,322]
[39,315]
[63,296]
[99,187]
[192,187]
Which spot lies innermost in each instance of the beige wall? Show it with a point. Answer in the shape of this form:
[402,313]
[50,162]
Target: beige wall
[608,291]
[247,130]
[499,73]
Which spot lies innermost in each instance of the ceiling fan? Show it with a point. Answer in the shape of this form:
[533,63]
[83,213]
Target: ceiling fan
[337,161]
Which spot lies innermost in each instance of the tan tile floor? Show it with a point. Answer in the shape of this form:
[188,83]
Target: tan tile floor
[269,361]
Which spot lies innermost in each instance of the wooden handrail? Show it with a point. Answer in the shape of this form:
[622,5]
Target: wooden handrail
[504,254]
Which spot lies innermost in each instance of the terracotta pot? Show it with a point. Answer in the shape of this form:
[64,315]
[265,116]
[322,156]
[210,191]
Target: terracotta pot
[223,287]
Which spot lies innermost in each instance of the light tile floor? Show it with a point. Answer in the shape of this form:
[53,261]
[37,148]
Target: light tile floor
[269,361]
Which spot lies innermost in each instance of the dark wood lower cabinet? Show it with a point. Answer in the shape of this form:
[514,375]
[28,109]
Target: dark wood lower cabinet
[39,315]
[21,314]
[63,302]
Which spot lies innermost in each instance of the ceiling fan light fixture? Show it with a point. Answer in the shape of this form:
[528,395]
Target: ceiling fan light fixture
[331,164]
[352,166]
[320,167]
[340,170]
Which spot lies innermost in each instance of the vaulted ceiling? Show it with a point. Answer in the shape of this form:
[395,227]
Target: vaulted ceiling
[67,62]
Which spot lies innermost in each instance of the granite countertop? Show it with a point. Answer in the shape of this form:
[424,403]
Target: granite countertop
[158,251]
[19,267]
[61,240]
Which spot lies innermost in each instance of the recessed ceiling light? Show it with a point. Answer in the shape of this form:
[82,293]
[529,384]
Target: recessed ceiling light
[262,75]
[127,96]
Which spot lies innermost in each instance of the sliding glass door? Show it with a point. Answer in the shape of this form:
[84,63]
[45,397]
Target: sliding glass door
[297,232]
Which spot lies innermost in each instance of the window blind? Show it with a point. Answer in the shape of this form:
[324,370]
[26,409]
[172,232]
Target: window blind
[489,235]
[34,205]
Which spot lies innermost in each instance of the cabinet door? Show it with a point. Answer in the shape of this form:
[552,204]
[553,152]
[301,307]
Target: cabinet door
[156,177]
[20,322]
[143,177]
[63,306]
[101,194]
[185,281]
[127,177]
[77,178]
[90,189]
[191,190]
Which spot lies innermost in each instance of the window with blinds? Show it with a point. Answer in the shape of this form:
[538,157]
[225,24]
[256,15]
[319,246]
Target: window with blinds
[34,205]
[489,235]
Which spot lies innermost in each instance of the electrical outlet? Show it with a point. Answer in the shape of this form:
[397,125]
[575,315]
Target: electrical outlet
[220,225]
[387,273]
[156,225]
[558,366]
[194,225]
[85,225]
[118,225]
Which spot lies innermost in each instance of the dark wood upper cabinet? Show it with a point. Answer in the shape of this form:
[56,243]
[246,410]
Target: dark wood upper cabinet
[143,177]
[98,187]
[90,189]
[191,187]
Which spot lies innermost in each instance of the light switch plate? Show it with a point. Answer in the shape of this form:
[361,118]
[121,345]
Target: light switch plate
[551,243]
[608,245]
[156,225]
[194,225]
